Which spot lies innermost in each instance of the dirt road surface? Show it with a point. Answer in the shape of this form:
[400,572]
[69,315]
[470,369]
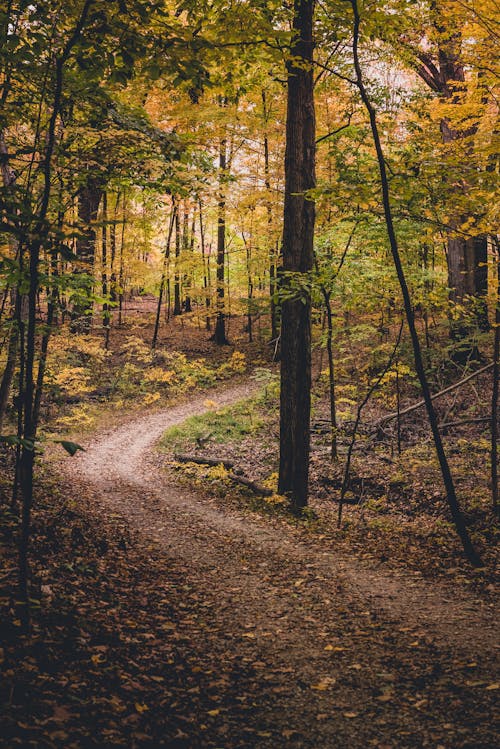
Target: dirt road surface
[295,644]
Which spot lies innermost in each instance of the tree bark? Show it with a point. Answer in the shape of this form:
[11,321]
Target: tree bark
[121,269]
[494,395]
[164,271]
[467,276]
[206,268]
[219,335]
[177,281]
[8,181]
[10,364]
[298,236]
[272,256]
[27,383]
[89,199]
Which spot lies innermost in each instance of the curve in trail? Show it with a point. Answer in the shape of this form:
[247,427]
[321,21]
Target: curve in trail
[125,473]
[320,650]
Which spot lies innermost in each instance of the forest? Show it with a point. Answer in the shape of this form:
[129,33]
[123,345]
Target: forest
[249,373]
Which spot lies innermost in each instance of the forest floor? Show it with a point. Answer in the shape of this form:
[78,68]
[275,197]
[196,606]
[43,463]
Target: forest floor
[179,617]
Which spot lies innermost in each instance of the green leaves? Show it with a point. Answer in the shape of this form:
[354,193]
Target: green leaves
[70,447]
[12,440]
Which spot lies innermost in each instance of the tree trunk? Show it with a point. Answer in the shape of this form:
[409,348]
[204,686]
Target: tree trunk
[8,181]
[112,250]
[26,408]
[89,199]
[449,485]
[104,270]
[177,282]
[188,277]
[250,286]
[298,236]
[10,364]
[272,255]
[331,373]
[219,335]
[494,395]
[467,277]
[166,257]
[121,269]
[206,268]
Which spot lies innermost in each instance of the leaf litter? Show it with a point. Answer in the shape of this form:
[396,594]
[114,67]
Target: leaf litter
[175,621]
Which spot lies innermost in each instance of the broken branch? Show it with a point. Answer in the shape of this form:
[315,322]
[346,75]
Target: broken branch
[421,403]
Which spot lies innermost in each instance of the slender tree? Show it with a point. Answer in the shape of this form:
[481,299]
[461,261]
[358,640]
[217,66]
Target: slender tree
[410,318]
[27,395]
[495,393]
[166,256]
[219,335]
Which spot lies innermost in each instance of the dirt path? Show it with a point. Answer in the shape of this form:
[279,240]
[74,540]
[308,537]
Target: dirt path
[308,649]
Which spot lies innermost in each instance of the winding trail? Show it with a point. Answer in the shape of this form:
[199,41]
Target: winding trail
[317,648]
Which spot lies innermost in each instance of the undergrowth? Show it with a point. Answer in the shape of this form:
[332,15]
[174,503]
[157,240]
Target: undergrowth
[396,508]
[82,375]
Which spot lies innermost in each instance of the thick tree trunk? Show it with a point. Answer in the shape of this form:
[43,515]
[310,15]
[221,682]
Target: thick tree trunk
[476,262]
[467,276]
[298,236]
[89,199]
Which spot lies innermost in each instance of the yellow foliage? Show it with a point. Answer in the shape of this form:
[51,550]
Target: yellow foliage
[276,499]
[88,346]
[79,417]
[150,398]
[217,473]
[236,365]
[271,482]
[159,375]
[83,346]
[137,349]
[72,380]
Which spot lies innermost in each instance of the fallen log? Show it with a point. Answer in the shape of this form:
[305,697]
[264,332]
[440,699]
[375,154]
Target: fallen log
[481,420]
[203,460]
[252,485]
[421,403]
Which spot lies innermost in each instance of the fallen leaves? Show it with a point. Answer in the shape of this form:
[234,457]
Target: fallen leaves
[325,683]
[135,648]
